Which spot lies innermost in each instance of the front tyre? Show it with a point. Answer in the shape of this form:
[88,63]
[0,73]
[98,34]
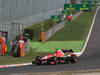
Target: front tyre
[38,60]
[73,59]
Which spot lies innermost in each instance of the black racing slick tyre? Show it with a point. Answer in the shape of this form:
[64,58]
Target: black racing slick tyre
[73,59]
[38,60]
[67,60]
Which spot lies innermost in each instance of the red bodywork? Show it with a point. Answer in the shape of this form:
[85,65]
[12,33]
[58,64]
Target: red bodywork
[57,53]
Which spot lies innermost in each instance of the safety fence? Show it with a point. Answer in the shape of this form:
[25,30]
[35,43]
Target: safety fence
[15,48]
[27,46]
[53,30]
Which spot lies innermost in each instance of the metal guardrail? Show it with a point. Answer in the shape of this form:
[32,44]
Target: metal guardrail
[54,29]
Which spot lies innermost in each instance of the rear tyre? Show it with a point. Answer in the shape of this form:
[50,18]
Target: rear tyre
[73,59]
[67,60]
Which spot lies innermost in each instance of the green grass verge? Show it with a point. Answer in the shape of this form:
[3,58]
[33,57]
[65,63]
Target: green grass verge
[17,60]
[50,46]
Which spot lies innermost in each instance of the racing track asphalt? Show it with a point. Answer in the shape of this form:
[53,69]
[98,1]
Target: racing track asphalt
[90,59]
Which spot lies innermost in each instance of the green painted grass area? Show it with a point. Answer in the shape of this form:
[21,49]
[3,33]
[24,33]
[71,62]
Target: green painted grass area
[50,46]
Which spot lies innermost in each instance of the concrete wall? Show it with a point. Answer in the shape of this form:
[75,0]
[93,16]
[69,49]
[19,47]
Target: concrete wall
[28,11]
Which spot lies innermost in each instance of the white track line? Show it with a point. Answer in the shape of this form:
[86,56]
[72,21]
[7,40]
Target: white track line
[89,32]
[14,65]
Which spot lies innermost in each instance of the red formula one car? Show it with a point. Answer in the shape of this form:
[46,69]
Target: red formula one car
[60,56]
